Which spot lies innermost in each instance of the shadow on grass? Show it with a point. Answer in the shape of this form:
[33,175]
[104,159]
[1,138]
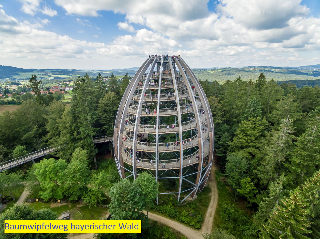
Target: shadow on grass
[189,213]
[77,211]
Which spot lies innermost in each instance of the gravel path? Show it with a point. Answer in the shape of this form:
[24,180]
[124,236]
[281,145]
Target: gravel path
[186,231]
[23,197]
[81,236]
[208,220]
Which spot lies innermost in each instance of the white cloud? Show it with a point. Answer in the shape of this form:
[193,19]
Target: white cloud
[23,38]
[237,22]
[44,21]
[125,26]
[139,19]
[95,36]
[49,11]
[6,20]
[240,32]
[30,6]
[183,10]
[1,5]
[262,14]
[143,43]
[83,22]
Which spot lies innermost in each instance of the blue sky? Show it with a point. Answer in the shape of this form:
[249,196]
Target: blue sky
[97,34]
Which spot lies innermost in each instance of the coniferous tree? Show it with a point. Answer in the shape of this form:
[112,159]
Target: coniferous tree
[34,85]
[290,219]
[113,85]
[269,203]
[278,152]
[306,156]
[124,84]
[107,110]
[293,217]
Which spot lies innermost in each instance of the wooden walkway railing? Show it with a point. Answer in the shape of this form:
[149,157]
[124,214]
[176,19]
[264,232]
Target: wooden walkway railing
[40,153]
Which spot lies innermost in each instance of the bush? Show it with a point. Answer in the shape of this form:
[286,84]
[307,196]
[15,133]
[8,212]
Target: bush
[190,213]
[229,215]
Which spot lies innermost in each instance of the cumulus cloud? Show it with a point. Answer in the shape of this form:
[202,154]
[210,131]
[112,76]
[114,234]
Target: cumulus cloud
[6,20]
[30,6]
[139,19]
[236,22]
[238,32]
[23,39]
[125,26]
[183,10]
[262,14]
[49,11]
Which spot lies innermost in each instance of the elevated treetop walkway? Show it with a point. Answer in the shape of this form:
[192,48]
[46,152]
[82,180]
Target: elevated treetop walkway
[40,153]
[164,126]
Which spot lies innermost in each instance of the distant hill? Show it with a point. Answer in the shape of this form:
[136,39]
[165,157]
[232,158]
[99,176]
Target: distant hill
[9,71]
[311,67]
[15,73]
[253,72]
[311,72]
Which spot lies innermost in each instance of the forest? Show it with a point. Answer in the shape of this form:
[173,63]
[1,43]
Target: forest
[267,138]
[267,146]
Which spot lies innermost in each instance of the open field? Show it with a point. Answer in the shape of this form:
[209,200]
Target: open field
[252,73]
[10,108]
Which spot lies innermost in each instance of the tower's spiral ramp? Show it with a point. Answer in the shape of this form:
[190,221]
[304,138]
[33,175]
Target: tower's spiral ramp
[164,126]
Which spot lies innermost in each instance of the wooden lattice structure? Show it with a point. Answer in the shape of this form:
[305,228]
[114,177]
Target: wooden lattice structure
[164,126]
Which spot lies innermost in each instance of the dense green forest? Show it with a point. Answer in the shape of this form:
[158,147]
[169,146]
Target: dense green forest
[43,121]
[266,146]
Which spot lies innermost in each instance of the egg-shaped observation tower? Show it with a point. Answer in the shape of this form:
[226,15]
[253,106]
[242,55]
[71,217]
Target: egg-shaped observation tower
[164,126]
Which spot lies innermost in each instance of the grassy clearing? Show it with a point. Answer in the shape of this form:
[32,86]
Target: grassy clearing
[75,214]
[231,216]
[18,191]
[162,231]
[153,229]
[16,194]
[92,213]
[66,98]
[9,108]
[77,211]
[190,213]
[34,193]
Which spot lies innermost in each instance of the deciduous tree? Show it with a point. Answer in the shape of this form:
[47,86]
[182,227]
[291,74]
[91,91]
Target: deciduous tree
[24,212]
[127,202]
[76,175]
[149,187]
[50,174]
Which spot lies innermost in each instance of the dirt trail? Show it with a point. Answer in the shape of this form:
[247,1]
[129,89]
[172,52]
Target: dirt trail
[208,220]
[186,231]
[81,236]
[23,197]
